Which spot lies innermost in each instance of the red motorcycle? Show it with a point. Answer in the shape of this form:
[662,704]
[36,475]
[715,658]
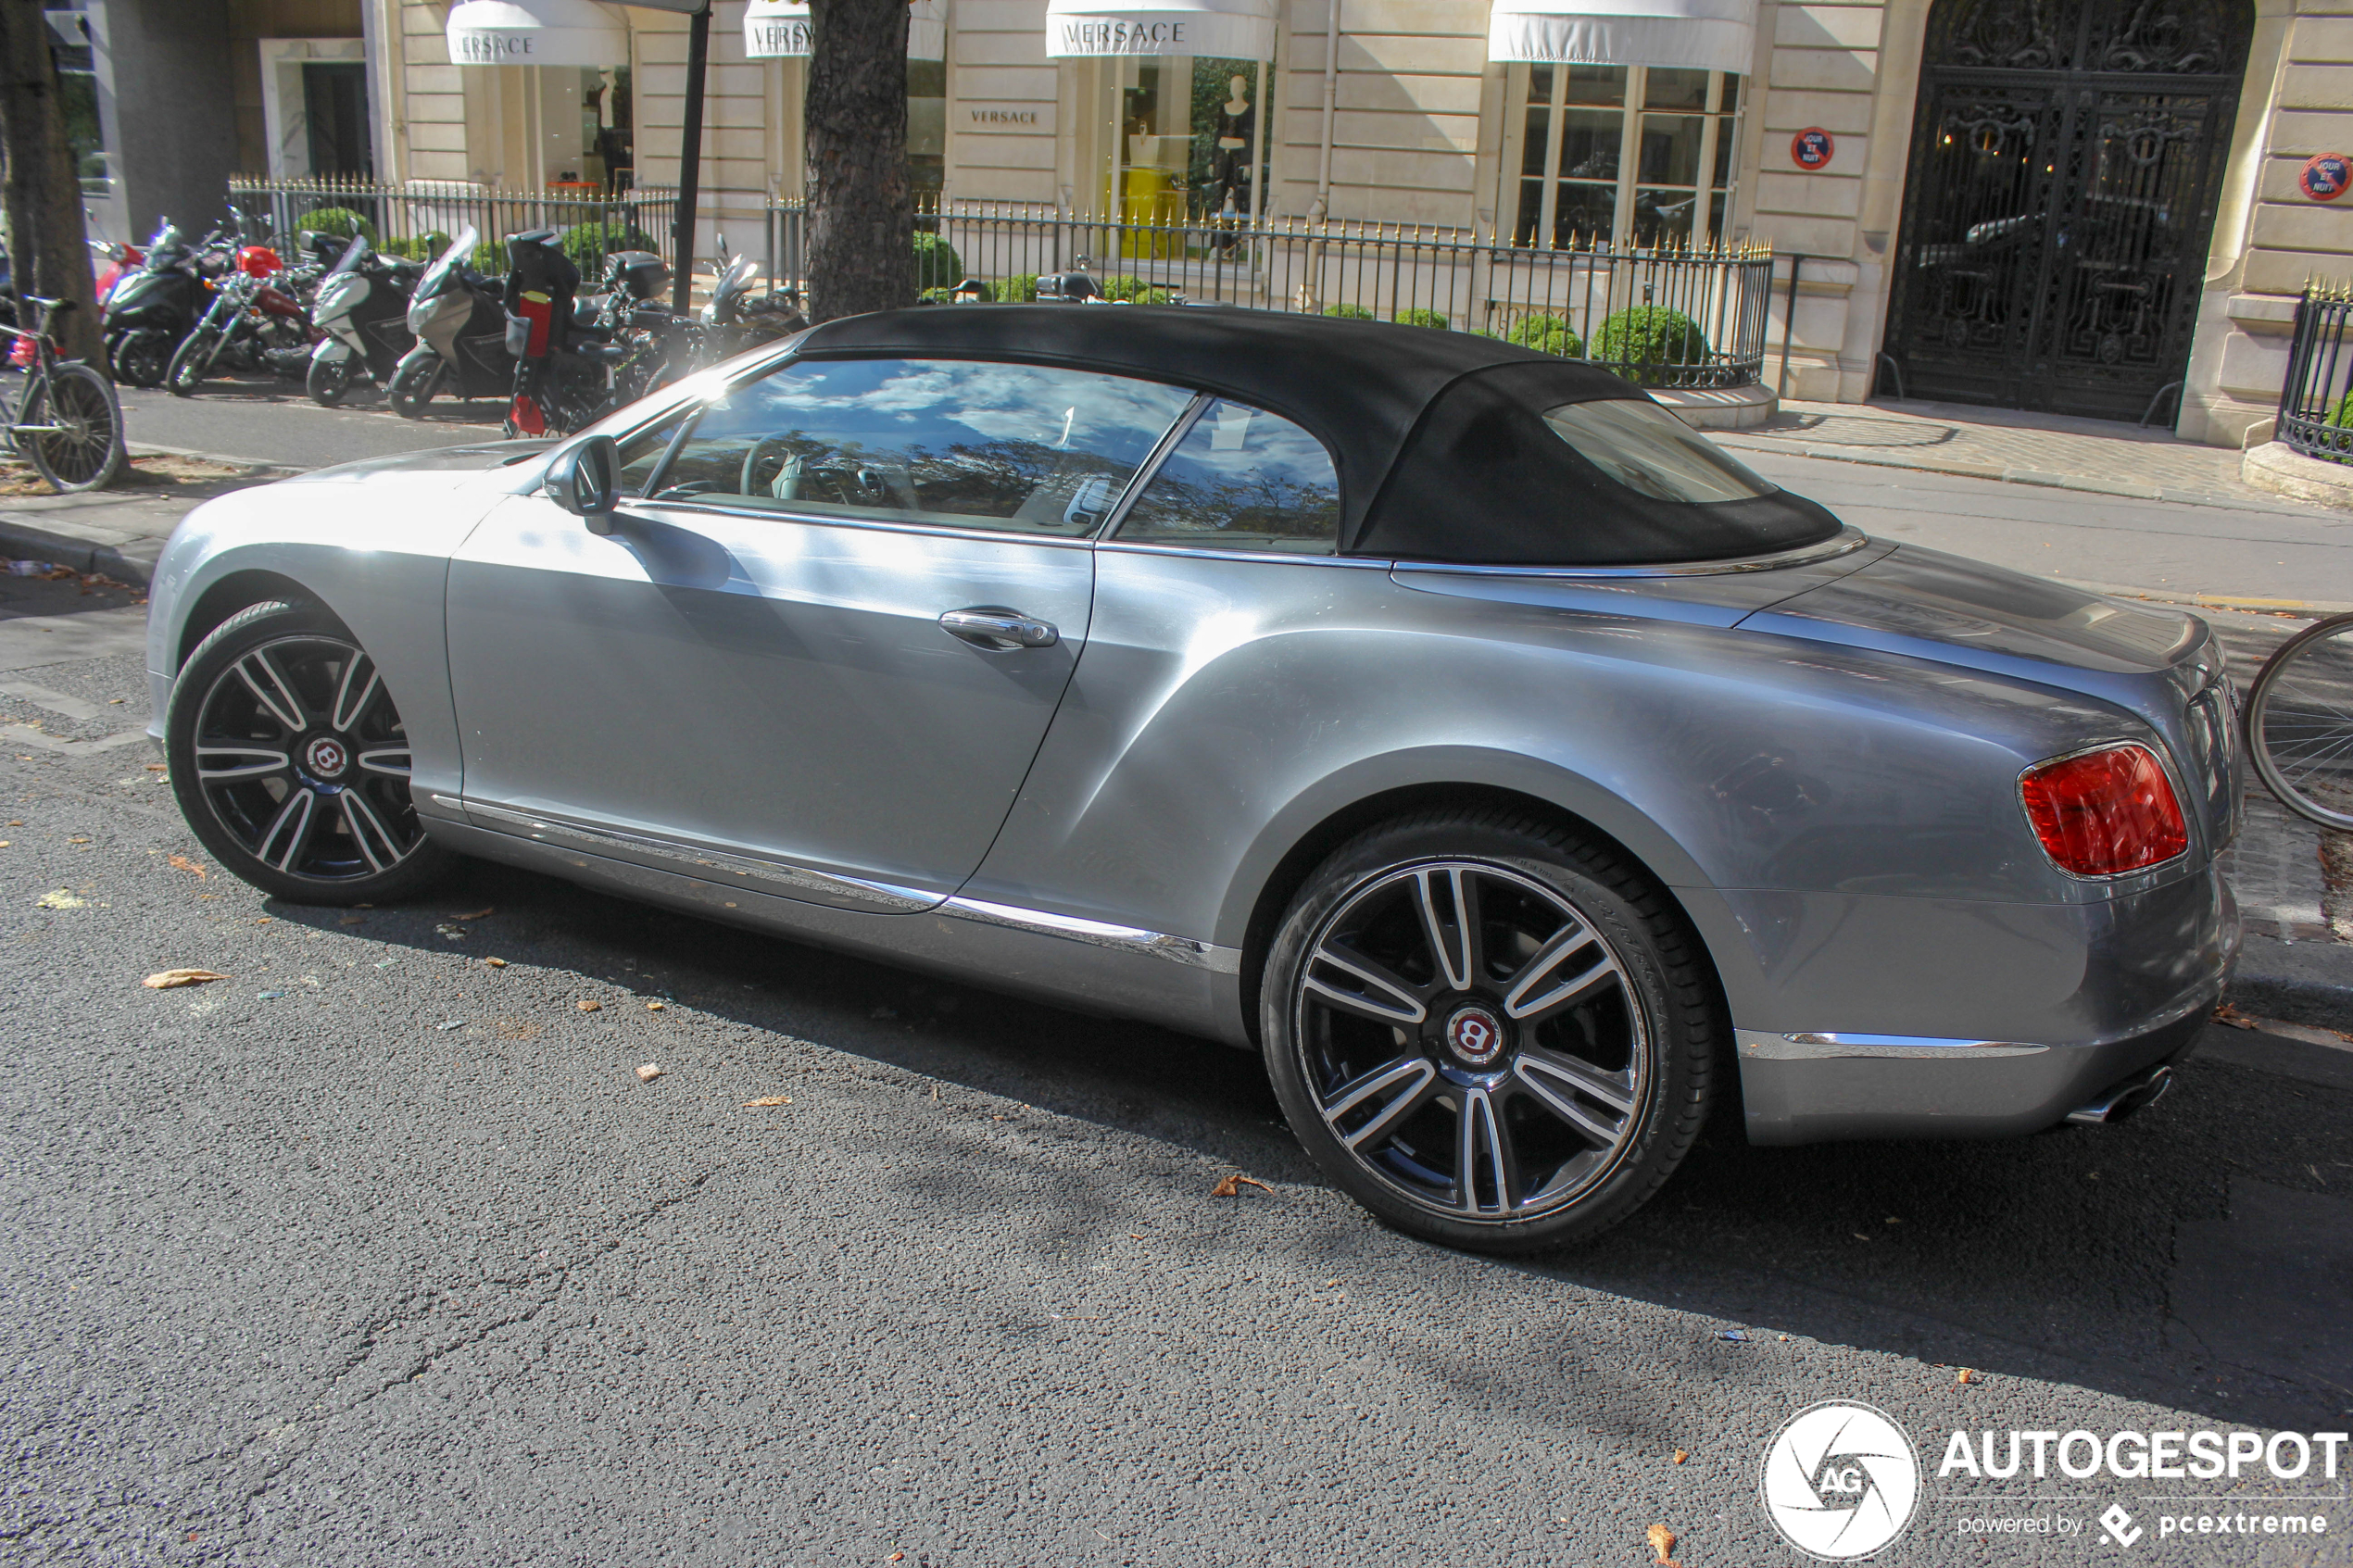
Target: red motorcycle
[256,323]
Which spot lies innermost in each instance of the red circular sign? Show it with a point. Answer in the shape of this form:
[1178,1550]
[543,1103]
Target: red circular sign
[1811,148]
[2325,176]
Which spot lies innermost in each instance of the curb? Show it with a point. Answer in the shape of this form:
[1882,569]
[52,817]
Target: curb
[2127,489]
[2295,982]
[21,541]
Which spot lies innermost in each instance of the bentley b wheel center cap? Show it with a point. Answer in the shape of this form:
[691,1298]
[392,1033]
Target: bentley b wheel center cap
[1474,1035]
[325,757]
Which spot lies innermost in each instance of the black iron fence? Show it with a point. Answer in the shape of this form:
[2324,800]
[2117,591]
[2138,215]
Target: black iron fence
[1662,315]
[419,217]
[2316,403]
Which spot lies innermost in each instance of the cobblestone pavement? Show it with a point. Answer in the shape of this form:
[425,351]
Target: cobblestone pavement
[2104,456]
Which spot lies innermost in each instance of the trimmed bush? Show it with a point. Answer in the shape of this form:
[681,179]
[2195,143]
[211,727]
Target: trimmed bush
[937,296]
[1422,319]
[937,264]
[340,221]
[1653,336]
[588,244]
[1547,334]
[417,247]
[1019,289]
[1349,312]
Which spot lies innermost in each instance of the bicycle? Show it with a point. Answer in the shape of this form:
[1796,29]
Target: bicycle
[2299,722]
[68,424]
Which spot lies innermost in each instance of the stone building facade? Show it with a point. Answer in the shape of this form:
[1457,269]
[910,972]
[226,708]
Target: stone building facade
[2101,207]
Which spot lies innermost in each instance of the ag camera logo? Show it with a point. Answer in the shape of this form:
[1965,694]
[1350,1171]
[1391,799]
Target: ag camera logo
[1841,1481]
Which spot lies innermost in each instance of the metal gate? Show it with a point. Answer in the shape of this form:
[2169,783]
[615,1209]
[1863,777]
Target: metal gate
[2065,159]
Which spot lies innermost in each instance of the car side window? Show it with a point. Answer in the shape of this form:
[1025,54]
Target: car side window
[1242,479]
[965,444]
[642,451]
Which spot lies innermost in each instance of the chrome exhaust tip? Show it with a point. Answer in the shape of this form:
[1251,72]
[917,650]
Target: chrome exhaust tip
[2138,1092]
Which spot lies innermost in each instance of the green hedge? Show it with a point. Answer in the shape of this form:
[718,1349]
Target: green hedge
[338,221]
[1019,289]
[1548,334]
[1650,335]
[417,247]
[1422,319]
[589,244]
[937,264]
[1349,312]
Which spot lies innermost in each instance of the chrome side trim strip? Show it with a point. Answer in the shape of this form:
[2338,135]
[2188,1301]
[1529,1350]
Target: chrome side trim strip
[1759,1045]
[701,860]
[1847,539]
[1123,938]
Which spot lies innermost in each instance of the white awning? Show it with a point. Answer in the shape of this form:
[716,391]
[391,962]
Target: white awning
[1231,29]
[778,29]
[538,33]
[1697,35]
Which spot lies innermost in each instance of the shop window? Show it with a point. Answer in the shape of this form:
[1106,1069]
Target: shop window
[1185,137]
[1619,154]
[926,129]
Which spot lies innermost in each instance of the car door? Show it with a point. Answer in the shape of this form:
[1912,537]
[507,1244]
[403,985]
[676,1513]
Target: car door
[822,648]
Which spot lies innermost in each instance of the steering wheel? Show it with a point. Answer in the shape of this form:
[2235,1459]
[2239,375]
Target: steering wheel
[786,486]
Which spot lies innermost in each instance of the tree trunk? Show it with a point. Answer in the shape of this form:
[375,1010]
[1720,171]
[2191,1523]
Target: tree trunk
[862,219]
[47,245]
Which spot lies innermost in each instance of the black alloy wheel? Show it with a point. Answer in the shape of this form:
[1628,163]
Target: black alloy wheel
[291,762]
[327,380]
[1490,1032]
[413,386]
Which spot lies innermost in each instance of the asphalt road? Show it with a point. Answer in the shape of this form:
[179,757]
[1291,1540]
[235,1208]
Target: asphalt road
[374,1253]
[263,420]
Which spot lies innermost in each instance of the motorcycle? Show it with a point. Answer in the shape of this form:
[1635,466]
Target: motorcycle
[151,312]
[362,306]
[565,356]
[253,324]
[737,319]
[460,328]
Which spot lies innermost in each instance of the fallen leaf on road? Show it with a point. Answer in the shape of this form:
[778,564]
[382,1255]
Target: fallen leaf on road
[2225,1013]
[587,1004]
[182,863]
[450,932]
[655,1007]
[60,899]
[171,979]
[1681,1455]
[154,766]
[1860,1235]
[1662,1540]
[1968,1375]
[77,841]
[493,964]
[352,920]
[1232,1187]
[478,914]
[649,1072]
[1737,1335]
[452,1023]
[764,1102]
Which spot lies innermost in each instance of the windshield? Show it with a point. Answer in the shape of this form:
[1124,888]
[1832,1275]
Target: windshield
[444,266]
[737,278]
[353,255]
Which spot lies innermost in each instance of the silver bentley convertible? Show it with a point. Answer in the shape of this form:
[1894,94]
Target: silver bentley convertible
[1523,776]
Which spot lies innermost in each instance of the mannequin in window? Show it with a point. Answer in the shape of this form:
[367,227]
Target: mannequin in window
[1230,168]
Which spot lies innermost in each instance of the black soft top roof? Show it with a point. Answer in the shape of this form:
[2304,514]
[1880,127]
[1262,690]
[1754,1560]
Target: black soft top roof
[1438,435]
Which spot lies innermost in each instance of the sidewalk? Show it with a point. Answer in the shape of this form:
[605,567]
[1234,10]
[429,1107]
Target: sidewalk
[2100,456]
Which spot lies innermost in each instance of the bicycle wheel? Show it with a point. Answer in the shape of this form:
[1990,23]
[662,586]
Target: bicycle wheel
[84,451]
[2299,722]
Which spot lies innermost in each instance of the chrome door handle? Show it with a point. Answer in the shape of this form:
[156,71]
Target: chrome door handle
[1000,630]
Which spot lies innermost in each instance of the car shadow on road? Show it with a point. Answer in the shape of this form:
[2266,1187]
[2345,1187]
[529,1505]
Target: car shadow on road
[2193,1256]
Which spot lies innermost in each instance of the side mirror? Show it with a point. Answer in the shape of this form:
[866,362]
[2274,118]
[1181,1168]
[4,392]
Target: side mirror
[585,480]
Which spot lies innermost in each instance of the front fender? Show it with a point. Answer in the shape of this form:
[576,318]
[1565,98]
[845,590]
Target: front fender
[371,555]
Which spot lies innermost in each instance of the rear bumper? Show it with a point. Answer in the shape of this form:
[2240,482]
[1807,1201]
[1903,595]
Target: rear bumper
[2005,1057]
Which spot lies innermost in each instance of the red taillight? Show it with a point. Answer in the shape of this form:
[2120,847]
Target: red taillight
[2104,813]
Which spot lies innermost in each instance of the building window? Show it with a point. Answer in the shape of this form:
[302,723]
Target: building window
[926,129]
[1618,155]
[1177,139]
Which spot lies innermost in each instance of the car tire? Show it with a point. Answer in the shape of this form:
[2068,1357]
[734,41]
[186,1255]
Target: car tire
[1564,1052]
[291,763]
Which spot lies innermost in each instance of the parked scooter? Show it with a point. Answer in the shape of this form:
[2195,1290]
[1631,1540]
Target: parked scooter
[461,335]
[739,320]
[563,346]
[151,312]
[253,324]
[363,308]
